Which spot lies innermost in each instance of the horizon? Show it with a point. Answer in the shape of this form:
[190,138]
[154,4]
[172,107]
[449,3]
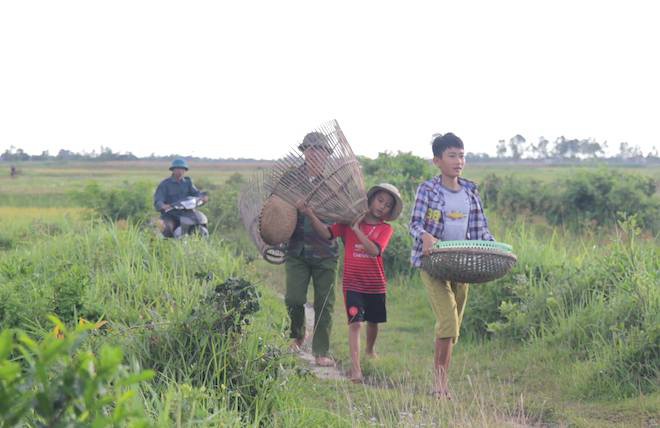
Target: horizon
[471,156]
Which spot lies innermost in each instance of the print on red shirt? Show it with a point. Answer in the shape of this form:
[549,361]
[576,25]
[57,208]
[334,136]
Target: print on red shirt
[362,272]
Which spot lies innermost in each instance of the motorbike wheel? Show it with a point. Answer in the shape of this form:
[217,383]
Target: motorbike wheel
[202,231]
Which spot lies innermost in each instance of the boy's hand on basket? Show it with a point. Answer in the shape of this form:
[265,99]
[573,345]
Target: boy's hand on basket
[428,241]
[356,224]
[302,206]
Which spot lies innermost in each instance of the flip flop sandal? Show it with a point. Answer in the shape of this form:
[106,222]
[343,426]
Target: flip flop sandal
[441,395]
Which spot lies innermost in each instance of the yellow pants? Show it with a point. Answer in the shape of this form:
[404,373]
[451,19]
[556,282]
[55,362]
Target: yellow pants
[448,303]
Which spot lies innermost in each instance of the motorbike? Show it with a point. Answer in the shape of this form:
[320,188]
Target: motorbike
[190,221]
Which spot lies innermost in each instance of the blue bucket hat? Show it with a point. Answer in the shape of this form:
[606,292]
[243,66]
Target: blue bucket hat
[179,163]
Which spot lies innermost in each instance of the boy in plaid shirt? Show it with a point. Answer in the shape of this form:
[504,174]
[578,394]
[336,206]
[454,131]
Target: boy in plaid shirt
[447,207]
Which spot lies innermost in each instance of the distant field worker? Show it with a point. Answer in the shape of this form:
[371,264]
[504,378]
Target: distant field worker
[447,207]
[173,189]
[364,281]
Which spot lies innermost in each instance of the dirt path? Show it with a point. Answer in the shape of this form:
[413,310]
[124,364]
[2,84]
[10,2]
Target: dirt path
[306,353]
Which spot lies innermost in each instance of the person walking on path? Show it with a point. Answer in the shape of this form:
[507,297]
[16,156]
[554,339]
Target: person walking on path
[447,207]
[311,256]
[364,281]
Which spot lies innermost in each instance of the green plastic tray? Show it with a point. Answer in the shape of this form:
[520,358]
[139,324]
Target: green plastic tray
[485,245]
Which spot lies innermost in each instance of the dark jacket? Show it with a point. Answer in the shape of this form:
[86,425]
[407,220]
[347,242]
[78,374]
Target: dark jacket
[170,191]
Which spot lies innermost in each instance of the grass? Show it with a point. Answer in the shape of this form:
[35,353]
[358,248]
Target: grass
[503,382]
[50,184]
[477,171]
[54,259]
[154,293]
[538,379]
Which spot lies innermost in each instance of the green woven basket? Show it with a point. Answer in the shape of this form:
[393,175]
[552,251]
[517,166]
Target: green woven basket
[472,262]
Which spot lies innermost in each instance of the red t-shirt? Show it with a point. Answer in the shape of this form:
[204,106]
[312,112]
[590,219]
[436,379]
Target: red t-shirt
[362,272]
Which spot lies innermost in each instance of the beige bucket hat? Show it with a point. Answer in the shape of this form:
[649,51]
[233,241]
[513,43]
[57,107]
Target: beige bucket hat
[277,220]
[392,190]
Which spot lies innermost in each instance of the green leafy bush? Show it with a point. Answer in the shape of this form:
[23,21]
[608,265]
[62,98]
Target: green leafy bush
[210,348]
[68,291]
[130,201]
[396,258]
[167,312]
[512,197]
[222,208]
[404,170]
[600,197]
[227,307]
[586,198]
[56,286]
[57,383]
[6,242]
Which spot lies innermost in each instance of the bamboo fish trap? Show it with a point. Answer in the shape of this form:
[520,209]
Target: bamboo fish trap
[269,220]
[324,172]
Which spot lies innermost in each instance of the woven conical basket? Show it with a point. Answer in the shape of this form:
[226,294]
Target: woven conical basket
[252,200]
[277,220]
[472,262]
[324,172]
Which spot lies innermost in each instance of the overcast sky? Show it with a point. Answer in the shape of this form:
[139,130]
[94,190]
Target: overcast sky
[249,79]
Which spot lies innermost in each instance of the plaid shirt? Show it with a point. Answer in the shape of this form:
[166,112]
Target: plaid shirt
[428,215]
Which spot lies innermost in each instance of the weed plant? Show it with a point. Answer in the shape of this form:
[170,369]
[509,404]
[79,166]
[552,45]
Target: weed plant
[170,305]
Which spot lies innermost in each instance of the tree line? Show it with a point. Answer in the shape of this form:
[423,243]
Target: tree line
[515,148]
[13,154]
[562,148]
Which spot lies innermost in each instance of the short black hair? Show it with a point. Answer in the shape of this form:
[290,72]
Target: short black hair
[443,142]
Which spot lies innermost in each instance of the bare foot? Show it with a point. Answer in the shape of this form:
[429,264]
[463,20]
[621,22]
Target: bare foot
[356,378]
[373,355]
[296,344]
[325,362]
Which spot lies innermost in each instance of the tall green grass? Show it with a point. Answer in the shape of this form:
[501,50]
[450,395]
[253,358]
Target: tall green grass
[569,338]
[156,296]
[572,329]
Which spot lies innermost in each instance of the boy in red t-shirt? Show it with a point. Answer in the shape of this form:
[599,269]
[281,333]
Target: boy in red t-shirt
[364,281]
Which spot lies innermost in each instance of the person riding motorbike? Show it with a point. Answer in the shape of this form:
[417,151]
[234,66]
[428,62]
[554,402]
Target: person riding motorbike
[171,191]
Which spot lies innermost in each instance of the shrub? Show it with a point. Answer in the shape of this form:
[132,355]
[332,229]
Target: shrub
[130,201]
[404,170]
[599,303]
[6,242]
[210,348]
[396,258]
[57,383]
[230,305]
[586,198]
[222,207]
[513,197]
